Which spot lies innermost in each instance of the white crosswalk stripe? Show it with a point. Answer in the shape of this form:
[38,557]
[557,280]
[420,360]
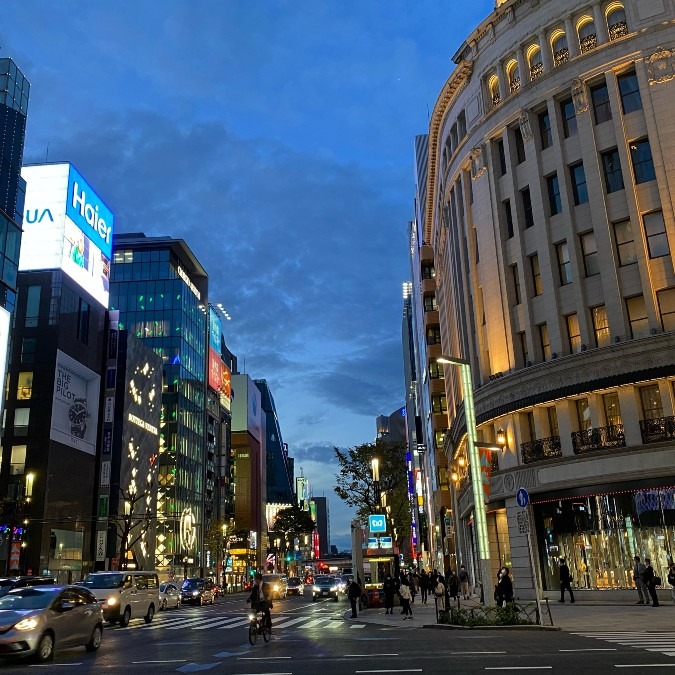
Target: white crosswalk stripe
[225,622]
[662,642]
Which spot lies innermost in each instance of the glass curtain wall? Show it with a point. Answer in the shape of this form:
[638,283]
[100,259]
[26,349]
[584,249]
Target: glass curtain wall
[599,535]
[158,307]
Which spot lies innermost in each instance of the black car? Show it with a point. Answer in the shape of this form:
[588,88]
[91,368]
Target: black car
[8,584]
[325,586]
[197,591]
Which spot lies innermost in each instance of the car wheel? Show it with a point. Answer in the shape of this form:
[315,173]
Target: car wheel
[95,640]
[162,605]
[45,648]
[178,603]
[313,599]
[336,598]
[200,602]
[125,618]
[151,613]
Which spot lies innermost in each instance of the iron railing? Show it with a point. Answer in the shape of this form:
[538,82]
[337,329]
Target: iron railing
[514,84]
[541,449]
[589,42]
[617,30]
[659,429]
[599,438]
[561,56]
[536,70]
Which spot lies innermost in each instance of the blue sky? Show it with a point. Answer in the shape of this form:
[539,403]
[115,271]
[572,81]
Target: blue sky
[276,137]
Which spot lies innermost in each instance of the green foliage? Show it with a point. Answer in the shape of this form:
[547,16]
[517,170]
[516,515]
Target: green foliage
[355,486]
[471,617]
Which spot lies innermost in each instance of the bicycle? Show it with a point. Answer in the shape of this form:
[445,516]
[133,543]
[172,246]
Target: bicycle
[258,626]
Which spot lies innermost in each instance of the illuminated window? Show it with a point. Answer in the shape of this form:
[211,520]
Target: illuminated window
[438,403]
[588,38]
[18,460]
[564,266]
[24,389]
[616,21]
[583,414]
[610,403]
[534,61]
[493,89]
[561,53]
[552,420]
[637,316]
[545,341]
[600,325]
[650,396]
[513,75]
[573,333]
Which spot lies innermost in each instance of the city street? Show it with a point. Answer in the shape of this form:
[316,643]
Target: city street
[316,638]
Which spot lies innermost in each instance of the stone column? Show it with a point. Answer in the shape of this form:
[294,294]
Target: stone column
[601,30]
[546,56]
[572,38]
[523,68]
[504,88]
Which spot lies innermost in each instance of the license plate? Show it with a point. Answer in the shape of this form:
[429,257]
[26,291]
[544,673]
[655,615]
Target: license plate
[324,592]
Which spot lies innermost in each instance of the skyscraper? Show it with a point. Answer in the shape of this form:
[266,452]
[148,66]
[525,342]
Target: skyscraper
[322,524]
[158,286]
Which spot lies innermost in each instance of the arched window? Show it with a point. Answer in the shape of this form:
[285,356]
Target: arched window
[561,53]
[493,88]
[513,75]
[534,61]
[588,38]
[616,20]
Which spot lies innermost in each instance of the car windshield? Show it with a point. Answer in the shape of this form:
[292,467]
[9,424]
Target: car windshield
[271,578]
[294,581]
[324,580]
[163,587]
[27,598]
[104,581]
[192,584]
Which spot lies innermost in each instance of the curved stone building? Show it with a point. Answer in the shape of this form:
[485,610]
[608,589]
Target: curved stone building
[549,211]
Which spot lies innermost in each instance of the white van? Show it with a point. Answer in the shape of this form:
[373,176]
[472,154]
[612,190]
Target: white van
[125,595]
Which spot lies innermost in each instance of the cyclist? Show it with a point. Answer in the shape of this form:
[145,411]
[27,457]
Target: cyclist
[259,598]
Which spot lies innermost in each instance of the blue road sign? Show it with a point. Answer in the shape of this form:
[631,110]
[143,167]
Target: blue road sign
[377,523]
[522,497]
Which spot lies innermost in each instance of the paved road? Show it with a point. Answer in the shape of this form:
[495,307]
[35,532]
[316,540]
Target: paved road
[311,638]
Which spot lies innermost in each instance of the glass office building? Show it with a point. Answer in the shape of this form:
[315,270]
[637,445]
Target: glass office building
[158,285]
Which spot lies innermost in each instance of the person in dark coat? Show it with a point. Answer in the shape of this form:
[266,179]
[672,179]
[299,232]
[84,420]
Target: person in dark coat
[424,586]
[389,588]
[650,582]
[354,594]
[565,581]
[452,583]
[504,588]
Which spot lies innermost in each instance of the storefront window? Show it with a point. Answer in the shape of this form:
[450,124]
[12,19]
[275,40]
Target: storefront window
[599,535]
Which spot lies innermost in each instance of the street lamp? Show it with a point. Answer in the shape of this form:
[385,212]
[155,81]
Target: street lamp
[480,517]
[375,464]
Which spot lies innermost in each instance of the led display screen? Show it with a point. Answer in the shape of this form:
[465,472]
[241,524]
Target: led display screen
[66,226]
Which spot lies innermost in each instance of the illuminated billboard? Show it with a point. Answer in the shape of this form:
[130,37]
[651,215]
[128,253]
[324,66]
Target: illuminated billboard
[75,404]
[66,226]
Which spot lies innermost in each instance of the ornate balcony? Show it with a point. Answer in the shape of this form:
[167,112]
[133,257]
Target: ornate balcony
[659,429]
[541,449]
[599,438]
[514,84]
[561,56]
[617,30]
[589,42]
[496,99]
[536,70]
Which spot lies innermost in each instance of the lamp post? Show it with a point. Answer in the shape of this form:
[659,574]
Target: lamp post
[479,511]
[375,464]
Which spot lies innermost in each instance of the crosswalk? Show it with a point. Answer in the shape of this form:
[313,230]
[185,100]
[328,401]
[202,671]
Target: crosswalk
[663,642]
[207,621]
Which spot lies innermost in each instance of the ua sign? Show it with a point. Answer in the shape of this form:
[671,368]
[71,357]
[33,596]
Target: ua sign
[377,523]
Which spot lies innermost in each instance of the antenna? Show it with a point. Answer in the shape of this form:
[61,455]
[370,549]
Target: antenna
[47,153]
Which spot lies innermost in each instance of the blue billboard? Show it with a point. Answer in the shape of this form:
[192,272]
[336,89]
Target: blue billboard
[86,209]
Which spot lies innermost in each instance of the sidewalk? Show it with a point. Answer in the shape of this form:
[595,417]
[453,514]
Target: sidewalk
[578,617]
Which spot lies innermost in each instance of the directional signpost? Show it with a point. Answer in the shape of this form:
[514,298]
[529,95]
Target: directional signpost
[523,519]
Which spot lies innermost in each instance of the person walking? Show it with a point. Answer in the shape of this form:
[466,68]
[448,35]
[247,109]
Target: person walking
[424,586]
[354,594]
[411,586]
[639,579]
[404,592]
[452,583]
[671,580]
[504,591]
[650,582]
[439,593]
[389,588]
[565,581]
[464,582]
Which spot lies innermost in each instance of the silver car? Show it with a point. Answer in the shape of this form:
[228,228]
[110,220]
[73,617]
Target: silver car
[36,621]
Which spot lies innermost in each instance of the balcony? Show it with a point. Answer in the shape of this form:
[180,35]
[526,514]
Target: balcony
[536,70]
[588,43]
[617,30]
[658,429]
[600,438]
[541,449]
[561,56]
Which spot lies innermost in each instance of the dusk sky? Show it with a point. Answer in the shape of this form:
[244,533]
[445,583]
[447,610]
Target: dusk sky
[276,138]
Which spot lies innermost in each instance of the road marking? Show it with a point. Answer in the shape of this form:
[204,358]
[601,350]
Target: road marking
[644,665]
[262,658]
[408,670]
[49,665]
[285,624]
[359,656]
[461,653]
[216,622]
[363,625]
[168,661]
[591,649]
[520,668]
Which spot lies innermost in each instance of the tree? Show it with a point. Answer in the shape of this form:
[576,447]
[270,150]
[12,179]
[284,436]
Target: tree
[132,524]
[355,485]
[293,523]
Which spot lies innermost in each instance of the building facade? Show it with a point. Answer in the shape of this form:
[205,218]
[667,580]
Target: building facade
[322,524]
[549,212]
[159,289]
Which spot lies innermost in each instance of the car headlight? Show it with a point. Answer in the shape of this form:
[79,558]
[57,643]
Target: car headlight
[315,588]
[251,616]
[276,587]
[112,601]
[195,593]
[26,624]
[333,588]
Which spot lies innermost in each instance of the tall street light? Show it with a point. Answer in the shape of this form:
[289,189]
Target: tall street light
[479,511]
[375,464]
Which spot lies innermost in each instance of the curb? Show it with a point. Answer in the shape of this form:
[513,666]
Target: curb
[450,626]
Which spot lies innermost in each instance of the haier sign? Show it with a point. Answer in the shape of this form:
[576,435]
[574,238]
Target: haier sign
[66,226]
[377,523]
[89,213]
